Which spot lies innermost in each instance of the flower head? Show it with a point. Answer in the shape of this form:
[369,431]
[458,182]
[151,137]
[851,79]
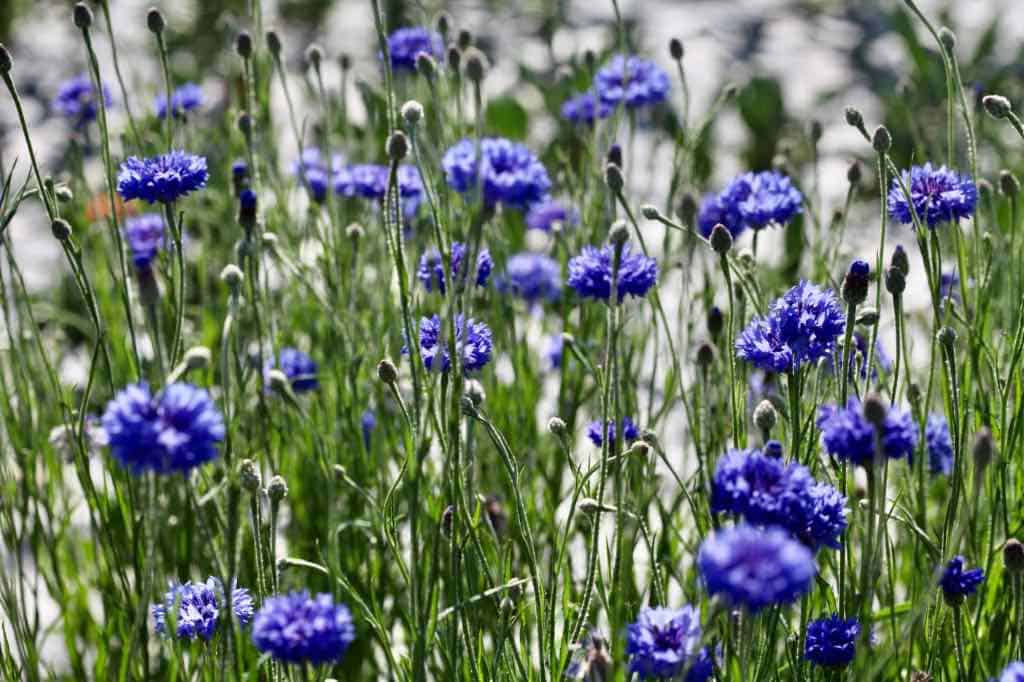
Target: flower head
[186,98]
[847,434]
[832,641]
[509,172]
[938,195]
[586,108]
[174,431]
[431,268]
[800,328]
[957,583]
[940,445]
[472,339]
[76,100]
[751,200]
[755,568]
[164,178]
[368,424]
[370,181]
[298,628]
[145,237]
[545,214]
[634,81]
[702,666]
[590,273]
[297,366]
[406,43]
[532,277]
[596,434]
[553,351]
[196,607]
[1012,673]
[663,641]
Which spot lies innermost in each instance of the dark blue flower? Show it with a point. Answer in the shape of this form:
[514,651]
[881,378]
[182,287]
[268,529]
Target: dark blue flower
[164,178]
[298,628]
[196,608]
[939,195]
[596,434]
[406,43]
[957,584]
[663,641]
[702,666]
[546,214]
[859,358]
[431,269]
[751,200]
[145,237]
[368,423]
[590,273]
[186,98]
[800,328]
[509,173]
[298,367]
[586,108]
[553,351]
[832,641]
[846,434]
[76,100]
[174,431]
[532,277]
[755,568]
[635,81]
[473,339]
[940,445]
[370,181]
[1012,673]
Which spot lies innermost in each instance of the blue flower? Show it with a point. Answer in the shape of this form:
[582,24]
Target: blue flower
[590,273]
[509,173]
[663,641]
[473,339]
[596,434]
[532,277]
[1012,673]
[186,98]
[755,568]
[832,641]
[370,181]
[553,351]
[298,628]
[940,445]
[846,434]
[548,213]
[406,43]
[368,423]
[637,82]
[431,268]
[702,666]
[586,108]
[957,584]
[938,195]
[145,237]
[174,431]
[751,200]
[164,178]
[298,367]
[76,100]
[196,608]
[800,328]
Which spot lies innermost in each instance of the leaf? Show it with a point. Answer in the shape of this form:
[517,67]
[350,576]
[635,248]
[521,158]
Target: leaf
[504,116]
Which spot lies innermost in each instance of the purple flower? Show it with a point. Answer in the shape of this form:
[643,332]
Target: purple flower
[509,173]
[196,607]
[663,641]
[298,628]
[164,178]
[751,200]
[937,195]
[635,81]
[957,584]
[590,273]
[406,43]
[846,434]
[145,237]
[431,269]
[473,339]
[586,108]
[832,641]
[939,445]
[76,100]
[596,434]
[298,367]
[532,277]
[546,214]
[186,98]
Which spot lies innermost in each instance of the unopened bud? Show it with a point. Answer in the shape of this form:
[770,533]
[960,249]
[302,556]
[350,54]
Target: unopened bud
[765,416]
[345,61]
[464,39]
[64,194]
[198,357]
[650,212]
[705,355]
[397,146]
[355,232]
[412,112]
[613,178]
[675,49]
[443,24]
[618,234]
[614,155]
[61,229]
[997,106]
[425,65]
[475,392]
[947,337]
[82,16]
[900,260]
[984,449]
[868,317]
[557,427]
[816,131]
[6,63]
[855,119]
[155,20]
[476,65]
[249,476]
[1013,556]
[875,410]
[715,321]
[1009,184]
[244,124]
[855,284]
[881,141]
[387,372]
[854,172]
[454,58]
[721,239]
[278,380]
[243,44]
[231,275]
[274,43]
[277,489]
[947,38]
[314,55]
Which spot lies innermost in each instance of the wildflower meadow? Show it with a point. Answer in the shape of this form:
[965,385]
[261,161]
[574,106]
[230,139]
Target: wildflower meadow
[497,342]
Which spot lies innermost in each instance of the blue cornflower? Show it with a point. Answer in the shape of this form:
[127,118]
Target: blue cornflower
[473,339]
[663,641]
[751,200]
[548,213]
[702,666]
[145,237]
[957,584]
[298,628]
[76,100]
[858,367]
[755,568]
[406,43]
[509,173]
[186,98]
[635,81]
[431,269]
[553,351]
[368,424]
[316,182]
[939,195]
[370,181]
[596,434]
[297,366]
[532,277]
[800,328]
[940,445]
[198,608]
[832,641]
[164,178]
[846,434]
[590,273]
[1012,673]
[586,108]
[174,431]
